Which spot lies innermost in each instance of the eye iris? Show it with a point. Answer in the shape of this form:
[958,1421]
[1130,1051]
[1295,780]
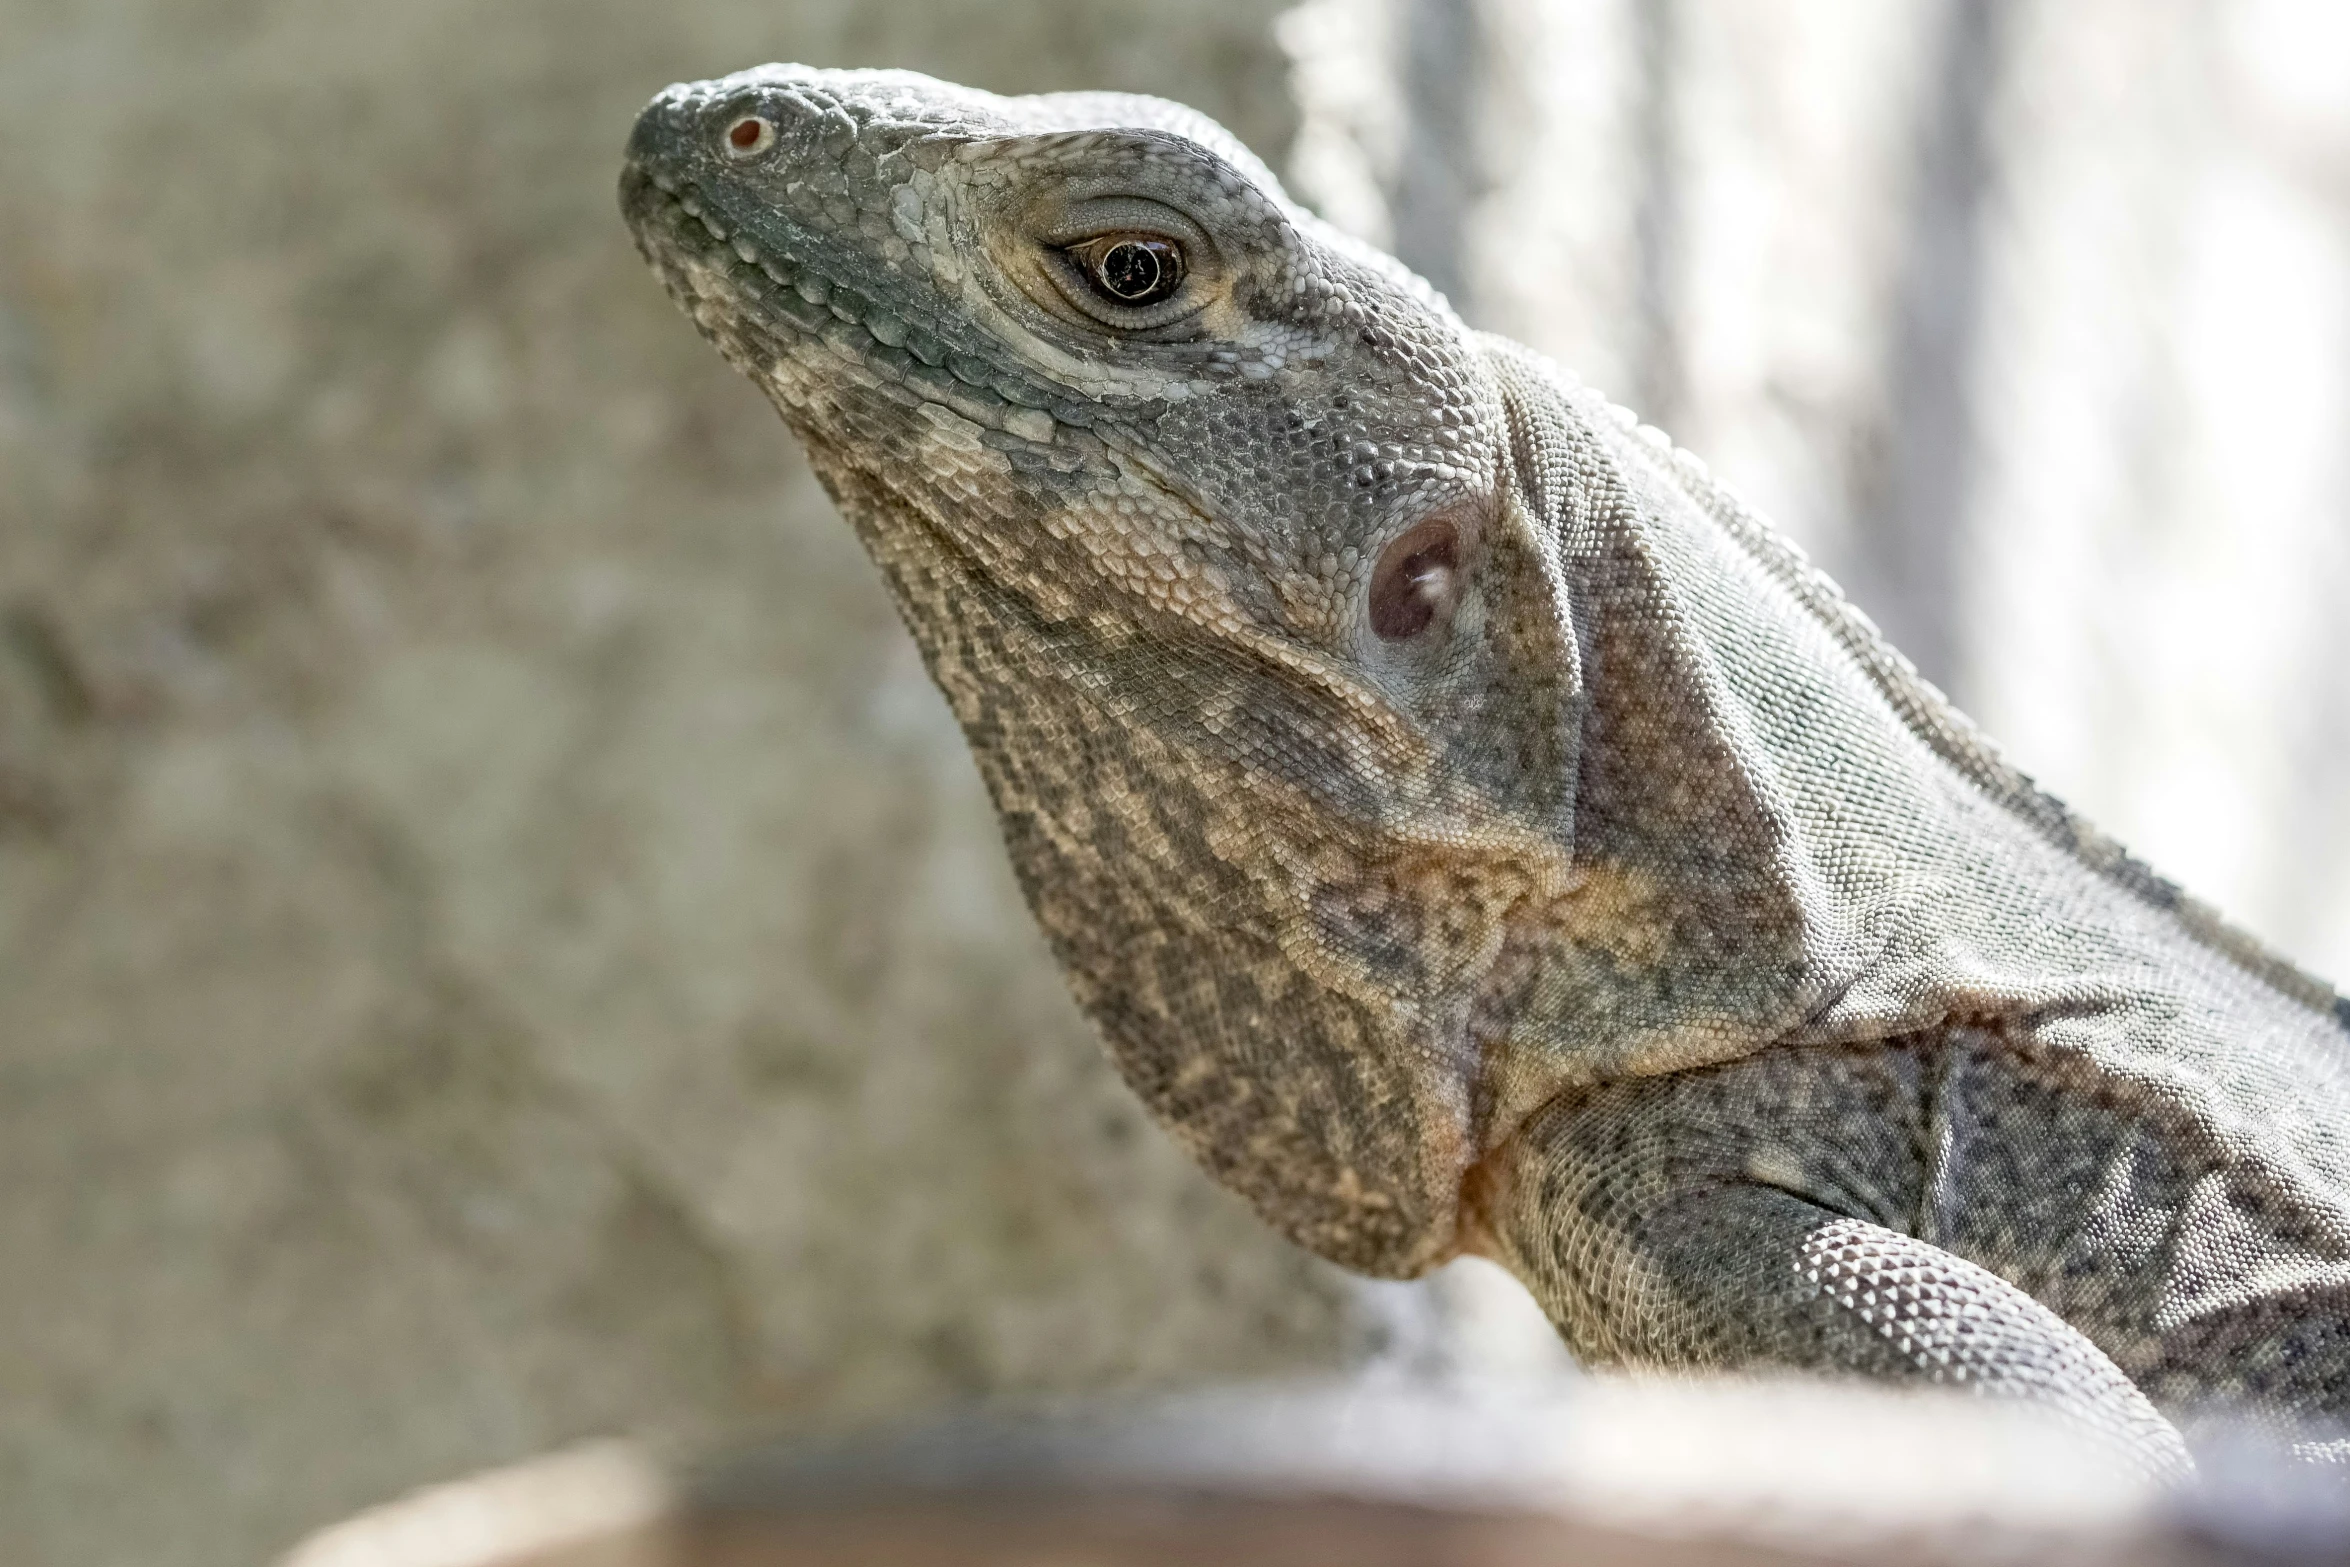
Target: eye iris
[1139,271]
[747,135]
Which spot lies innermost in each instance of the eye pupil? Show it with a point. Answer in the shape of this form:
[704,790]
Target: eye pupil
[1130,270]
[1138,271]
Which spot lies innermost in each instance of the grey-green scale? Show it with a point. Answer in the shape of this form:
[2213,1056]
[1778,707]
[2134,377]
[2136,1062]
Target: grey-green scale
[1468,826]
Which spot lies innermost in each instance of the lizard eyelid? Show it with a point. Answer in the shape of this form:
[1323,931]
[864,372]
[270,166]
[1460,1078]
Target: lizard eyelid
[1124,261]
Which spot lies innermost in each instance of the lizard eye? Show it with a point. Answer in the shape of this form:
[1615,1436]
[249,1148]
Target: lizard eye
[749,136]
[1414,581]
[1131,269]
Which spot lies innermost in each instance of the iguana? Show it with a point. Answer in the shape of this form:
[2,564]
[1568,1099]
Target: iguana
[1470,828]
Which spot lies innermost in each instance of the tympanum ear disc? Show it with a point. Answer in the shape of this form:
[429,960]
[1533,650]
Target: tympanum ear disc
[1416,579]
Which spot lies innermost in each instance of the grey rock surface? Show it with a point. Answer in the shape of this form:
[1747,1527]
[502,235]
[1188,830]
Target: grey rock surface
[499,941]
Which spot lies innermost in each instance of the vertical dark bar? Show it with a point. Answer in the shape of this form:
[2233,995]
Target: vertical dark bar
[1441,173]
[1915,498]
[2310,832]
[1658,388]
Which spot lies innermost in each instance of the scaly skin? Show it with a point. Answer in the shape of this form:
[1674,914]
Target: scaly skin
[1469,828]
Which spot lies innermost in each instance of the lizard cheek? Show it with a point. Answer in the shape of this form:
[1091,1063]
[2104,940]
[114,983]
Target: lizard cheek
[1414,581]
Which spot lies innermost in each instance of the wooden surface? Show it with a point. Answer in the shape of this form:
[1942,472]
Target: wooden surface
[1736,1475]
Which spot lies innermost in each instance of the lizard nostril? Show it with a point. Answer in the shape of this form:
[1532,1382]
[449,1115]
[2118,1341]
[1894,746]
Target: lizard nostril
[1415,580]
[749,136]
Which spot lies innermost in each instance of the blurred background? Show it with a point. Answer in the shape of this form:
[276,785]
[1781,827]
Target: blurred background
[499,941]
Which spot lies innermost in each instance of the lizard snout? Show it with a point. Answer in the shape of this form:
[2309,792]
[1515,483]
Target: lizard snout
[665,128]
[775,114]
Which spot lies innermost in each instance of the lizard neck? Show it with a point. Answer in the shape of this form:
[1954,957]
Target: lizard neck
[1765,849]
[1692,932]
[1782,837]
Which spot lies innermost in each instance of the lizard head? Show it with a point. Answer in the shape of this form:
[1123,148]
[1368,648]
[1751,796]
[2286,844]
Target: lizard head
[1203,517]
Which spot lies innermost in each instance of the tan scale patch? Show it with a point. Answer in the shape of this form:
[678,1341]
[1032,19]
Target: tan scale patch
[1618,910]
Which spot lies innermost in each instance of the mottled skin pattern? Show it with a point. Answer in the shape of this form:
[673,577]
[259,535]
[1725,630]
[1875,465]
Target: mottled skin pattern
[1472,830]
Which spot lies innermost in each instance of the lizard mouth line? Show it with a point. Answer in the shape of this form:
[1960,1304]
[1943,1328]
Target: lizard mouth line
[766,306]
